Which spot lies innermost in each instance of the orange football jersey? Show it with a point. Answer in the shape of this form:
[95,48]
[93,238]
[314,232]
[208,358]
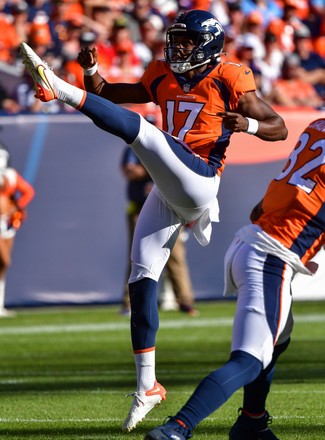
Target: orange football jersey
[189,108]
[294,204]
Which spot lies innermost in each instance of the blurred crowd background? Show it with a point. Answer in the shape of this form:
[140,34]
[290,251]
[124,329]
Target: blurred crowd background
[283,41]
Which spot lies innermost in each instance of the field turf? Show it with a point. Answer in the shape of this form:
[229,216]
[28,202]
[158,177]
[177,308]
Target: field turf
[65,372]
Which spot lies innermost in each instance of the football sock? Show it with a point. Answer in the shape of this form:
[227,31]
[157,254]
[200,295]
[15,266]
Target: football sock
[111,117]
[144,326]
[144,313]
[68,93]
[256,392]
[145,366]
[215,389]
[105,114]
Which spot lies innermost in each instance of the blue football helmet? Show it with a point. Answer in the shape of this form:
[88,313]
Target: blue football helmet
[207,34]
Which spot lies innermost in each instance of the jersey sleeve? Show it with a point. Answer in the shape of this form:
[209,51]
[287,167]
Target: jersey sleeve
[154,70]
[26,192]
[240,80]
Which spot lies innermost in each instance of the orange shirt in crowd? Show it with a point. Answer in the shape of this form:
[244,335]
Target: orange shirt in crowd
[9,40]
[296,92]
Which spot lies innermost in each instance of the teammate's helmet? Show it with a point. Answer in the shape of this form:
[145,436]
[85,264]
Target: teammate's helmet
[207,34]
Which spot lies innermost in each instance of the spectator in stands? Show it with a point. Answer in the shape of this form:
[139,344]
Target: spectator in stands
[268,10]
[254,24]
[21,23]
[158,49]
[236,19]
[316,24]
[8,105]
[141,11]
[15,194]
[292,91]
[270,66]
[169,9]
[230,48]
[63,11]
[151,30]
[104,17]
[35,6]
[126,66]
[315,20]
[71,45]
[302,8]
[319,44]
[40,38]
[72,72]
[285,26]
[312,64]
[66,10]
[254,29]
[9,39]
[245,50]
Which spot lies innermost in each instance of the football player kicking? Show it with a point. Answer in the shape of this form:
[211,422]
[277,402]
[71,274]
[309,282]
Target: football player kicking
[203,101]
[285,234]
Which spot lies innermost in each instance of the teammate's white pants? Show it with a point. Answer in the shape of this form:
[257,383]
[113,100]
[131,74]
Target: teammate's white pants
[181,195]
[263,283]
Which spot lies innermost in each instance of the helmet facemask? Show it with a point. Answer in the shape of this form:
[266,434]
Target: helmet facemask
[181,62]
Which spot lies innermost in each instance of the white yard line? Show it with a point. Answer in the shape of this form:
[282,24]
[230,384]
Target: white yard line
[105,327]
[112,419]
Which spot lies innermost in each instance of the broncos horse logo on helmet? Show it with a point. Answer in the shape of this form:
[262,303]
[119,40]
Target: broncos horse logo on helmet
[207,35]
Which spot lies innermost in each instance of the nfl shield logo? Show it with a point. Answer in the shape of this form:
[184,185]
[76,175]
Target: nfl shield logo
[186,88]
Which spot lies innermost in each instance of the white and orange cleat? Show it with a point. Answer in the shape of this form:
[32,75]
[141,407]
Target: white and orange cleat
[40,72]
[143,402]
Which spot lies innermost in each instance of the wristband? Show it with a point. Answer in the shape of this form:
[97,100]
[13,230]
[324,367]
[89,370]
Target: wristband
[252,126]
[91,70]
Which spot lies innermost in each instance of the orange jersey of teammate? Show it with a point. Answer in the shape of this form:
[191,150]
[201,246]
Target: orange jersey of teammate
[189,108]
[294,204]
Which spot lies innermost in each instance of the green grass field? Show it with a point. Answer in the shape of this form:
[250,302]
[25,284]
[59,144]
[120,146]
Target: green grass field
[65,372]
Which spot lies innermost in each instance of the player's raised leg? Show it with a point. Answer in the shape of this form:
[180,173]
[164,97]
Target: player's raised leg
[179,175]
[105,114]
